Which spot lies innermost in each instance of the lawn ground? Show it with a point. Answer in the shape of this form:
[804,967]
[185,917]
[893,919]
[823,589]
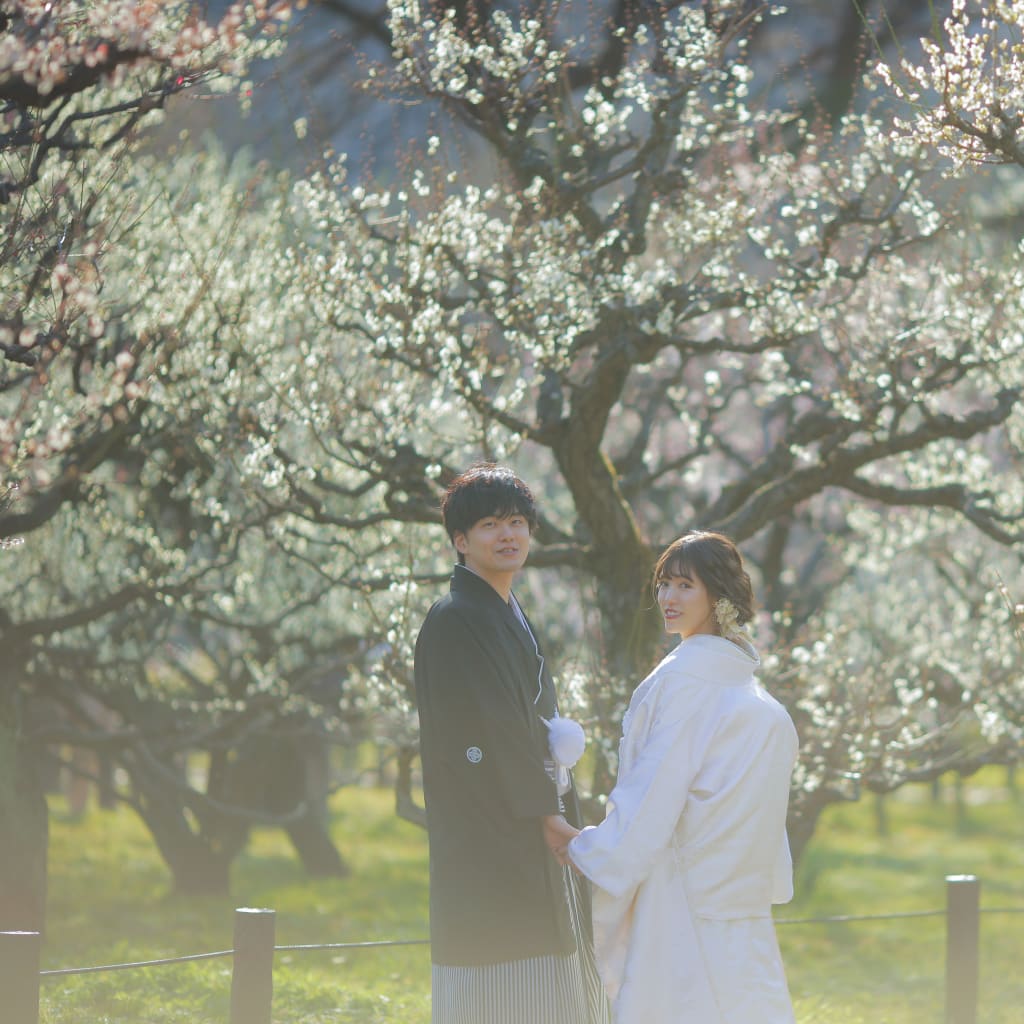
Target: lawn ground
[110,903]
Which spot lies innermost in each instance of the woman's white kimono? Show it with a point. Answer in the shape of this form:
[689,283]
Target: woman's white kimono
[693,851]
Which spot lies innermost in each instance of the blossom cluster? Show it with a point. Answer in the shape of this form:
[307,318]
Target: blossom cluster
[967,98]
[50,45]
[667,306]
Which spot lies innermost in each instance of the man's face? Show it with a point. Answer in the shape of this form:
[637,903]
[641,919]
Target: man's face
[495,545]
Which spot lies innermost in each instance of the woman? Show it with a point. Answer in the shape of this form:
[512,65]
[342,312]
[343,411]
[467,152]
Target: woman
[693,851]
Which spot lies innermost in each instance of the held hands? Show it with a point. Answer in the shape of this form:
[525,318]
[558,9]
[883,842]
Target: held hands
[557,833]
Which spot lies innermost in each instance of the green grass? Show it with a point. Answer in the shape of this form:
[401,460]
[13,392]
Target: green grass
[893,971]
[110,903]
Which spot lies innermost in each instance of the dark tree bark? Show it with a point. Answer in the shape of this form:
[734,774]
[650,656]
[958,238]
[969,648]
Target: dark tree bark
[273,777]
[405,805]
[200,835]
[801,825]
[316,850]
[24,823]
[200,864]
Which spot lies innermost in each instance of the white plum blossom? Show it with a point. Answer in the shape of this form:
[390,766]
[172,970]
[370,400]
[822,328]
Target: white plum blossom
[666,304]
[967,98]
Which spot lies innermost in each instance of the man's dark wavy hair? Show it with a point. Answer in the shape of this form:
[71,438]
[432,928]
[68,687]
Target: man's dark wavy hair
[483,490]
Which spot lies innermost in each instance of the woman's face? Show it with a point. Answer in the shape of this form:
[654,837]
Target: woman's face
[686,604]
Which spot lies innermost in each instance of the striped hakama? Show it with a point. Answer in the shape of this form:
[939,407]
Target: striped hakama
[539,990]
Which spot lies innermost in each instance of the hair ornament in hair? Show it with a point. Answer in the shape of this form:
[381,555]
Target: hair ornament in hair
[728,619]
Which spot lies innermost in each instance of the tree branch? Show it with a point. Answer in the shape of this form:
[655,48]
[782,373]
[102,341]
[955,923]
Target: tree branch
[81,77]
[953,496]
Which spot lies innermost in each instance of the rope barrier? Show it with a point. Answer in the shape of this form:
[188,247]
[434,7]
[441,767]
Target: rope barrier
[142,963]
[354,945]
[63,972]
[843,918]
[831,919]
[896,915]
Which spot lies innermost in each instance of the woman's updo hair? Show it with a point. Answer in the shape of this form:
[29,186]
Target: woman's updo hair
[716,561]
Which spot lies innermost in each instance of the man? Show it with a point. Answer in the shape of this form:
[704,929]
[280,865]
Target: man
[509,925]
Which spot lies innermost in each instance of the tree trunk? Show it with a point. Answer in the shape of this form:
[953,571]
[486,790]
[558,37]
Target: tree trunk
[199,871]
[197,866]
[881,815]
[312,842]
[198,858]
[405,806]
[277,775]
[621,563]
[801,823]
[24,828]
[960,820]
[621,560]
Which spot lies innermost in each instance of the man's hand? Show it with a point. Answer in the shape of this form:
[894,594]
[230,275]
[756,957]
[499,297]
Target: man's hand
[557,833]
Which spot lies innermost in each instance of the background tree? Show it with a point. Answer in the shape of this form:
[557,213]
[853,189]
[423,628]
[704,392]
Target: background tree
[817,51]
[228,652]
[673,302]
[77,81]
[668,314]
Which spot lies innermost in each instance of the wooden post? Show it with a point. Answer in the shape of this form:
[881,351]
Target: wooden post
[962,899]
[252,978]
[19,976]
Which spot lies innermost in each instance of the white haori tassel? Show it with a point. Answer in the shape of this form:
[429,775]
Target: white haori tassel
[566,740]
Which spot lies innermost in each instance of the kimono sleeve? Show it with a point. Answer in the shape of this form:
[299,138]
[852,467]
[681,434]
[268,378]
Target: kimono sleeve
[476,705]
[648,799]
